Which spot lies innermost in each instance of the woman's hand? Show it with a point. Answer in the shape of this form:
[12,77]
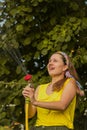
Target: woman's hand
[29,92]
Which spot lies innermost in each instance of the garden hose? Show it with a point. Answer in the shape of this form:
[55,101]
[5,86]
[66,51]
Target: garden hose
[26,113]
[27,78]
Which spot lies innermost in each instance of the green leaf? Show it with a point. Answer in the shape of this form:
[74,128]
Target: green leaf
[37,35]
[74,6]
[44,51]
[23,0]
[85,58]
[2,115]
[68,38]
[19,27]
[64,47]
[27,41]
[37,55]
[7,24]
[16,101]
[60,38]
[29,18]
[34,3]
[84,23]
[13,12]
[19,69]
[53,21]
[43,44]
[72,19]
[40,0]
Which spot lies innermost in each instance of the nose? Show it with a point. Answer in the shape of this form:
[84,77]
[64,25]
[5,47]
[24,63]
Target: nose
[50,63]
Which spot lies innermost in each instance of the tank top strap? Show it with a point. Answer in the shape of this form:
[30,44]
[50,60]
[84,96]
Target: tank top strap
[66,82]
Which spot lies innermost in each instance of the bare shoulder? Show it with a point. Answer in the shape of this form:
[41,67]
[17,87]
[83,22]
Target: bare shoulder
[72,81]
[71,84]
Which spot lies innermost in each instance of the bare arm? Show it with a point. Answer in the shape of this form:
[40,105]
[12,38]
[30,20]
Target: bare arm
[68,94]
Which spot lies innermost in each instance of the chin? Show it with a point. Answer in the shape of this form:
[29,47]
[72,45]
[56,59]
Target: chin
[52,75]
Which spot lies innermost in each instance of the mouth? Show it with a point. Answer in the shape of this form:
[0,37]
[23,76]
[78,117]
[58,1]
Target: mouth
[51,68]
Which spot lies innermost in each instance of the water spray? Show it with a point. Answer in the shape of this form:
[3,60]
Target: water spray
[16,55]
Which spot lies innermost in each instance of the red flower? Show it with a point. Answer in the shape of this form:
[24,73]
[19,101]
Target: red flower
[28,77]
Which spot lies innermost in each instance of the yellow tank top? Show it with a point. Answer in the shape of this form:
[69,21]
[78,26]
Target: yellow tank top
[46,117]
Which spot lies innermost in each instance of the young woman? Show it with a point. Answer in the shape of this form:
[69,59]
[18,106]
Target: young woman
[55,102]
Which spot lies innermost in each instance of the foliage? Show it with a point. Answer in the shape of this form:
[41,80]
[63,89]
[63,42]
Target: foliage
[31,31]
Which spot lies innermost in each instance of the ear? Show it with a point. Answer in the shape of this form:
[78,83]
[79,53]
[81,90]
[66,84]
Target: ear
[65,67]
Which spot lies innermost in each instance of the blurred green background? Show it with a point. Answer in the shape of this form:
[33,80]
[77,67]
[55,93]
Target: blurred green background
[30,31]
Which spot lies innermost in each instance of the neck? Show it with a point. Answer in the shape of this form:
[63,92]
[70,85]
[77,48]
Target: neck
[57,78]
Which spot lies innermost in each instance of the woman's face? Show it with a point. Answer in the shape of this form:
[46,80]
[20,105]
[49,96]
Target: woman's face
[56,65]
